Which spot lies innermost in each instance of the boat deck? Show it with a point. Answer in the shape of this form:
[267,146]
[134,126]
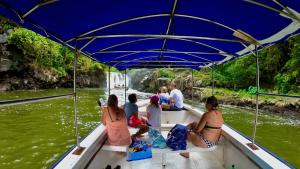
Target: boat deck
[197,160]
[232,149]
[201,160]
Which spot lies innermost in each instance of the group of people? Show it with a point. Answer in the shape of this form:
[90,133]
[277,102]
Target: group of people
[117,119]
[204,133]
[172,101]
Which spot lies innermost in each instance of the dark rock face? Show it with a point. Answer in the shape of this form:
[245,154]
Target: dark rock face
[35,78]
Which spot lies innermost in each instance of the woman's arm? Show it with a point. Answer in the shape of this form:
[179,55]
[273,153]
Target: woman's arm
[201,123]
[122,112]
[148,115]
[148,112]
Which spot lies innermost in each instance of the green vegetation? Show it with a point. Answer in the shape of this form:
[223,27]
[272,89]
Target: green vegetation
[32,48]
[49,54]
[279,70]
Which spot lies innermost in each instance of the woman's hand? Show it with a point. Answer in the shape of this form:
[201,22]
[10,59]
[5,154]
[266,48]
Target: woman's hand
[192,126]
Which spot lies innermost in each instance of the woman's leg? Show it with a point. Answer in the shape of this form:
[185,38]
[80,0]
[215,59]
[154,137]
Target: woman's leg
[142,129]
[196,140]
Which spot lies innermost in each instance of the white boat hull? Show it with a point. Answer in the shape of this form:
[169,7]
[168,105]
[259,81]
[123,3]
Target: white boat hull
[232,150]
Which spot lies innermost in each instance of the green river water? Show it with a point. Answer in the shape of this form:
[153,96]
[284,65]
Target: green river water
[35,135]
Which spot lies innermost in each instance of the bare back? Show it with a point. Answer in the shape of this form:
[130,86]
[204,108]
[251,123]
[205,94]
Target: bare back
[112,114]
[211,122]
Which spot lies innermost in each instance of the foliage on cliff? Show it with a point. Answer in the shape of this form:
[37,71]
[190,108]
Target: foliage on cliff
[36,61]
[48,54]
[279,67]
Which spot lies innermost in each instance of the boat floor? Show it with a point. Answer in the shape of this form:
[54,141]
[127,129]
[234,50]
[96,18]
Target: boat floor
[201,160]
[197,160]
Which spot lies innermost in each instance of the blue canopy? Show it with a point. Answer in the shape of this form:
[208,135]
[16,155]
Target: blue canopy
[159,33]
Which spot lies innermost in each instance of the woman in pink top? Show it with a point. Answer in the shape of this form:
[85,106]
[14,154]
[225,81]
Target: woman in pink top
[116,123]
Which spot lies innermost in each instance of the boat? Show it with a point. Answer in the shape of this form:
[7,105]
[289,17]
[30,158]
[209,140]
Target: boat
[232,149]
[166,34]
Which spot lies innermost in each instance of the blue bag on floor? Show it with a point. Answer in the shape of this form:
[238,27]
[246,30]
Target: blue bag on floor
[177,137]
[138,150]
[156,139]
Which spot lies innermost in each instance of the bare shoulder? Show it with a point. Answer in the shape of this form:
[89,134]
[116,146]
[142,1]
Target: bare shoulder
[205,115]
[121,108]
[104,109]
[122,111]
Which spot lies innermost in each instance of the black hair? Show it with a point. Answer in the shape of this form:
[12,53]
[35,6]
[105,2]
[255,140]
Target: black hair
[112,101]
[212,100]
[132,98]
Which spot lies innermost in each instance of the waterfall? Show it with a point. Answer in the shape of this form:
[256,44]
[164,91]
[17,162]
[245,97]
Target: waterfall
[117,85]
[117,80]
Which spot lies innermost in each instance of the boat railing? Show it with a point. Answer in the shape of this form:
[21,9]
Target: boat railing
[31,100]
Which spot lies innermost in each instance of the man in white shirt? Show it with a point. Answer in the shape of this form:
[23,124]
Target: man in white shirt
[176,98]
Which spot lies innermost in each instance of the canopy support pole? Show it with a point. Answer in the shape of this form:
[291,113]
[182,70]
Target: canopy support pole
[192,87]
[125,94]
[213,81]
[252,144]
[79,149]
[109,81]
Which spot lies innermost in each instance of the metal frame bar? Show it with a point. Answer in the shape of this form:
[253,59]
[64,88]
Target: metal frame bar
[151,16]
[168,65]
[291,13]
[274,9]
[160,61]
[187,40]
[88,43]
[12,10]
[75,97]
[257,95]
[44,3]
[118,23]
[138,59]
[192,87]
[123,43]
[144,39]
[125,92]
[109,81]
[129,54]
[168,28]
[206,20]
[44,30]
[160,36]
[32,100]
[158,51]
[213,81]
[165,67]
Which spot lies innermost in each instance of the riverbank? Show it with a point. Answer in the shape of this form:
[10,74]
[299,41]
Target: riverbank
[269,104]
[150,81]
